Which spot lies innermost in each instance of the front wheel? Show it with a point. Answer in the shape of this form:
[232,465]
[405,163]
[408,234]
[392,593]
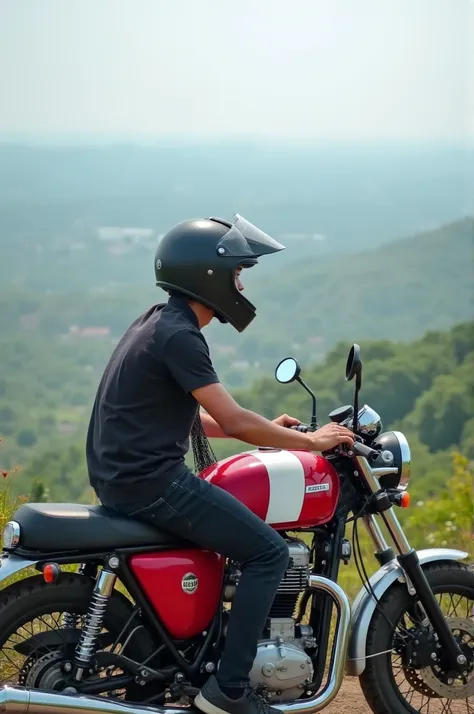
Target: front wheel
[411,676]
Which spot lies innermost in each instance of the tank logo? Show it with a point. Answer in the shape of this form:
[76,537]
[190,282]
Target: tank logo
[189,583]
[317,487]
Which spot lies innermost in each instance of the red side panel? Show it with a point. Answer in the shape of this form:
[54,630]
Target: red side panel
[184,587]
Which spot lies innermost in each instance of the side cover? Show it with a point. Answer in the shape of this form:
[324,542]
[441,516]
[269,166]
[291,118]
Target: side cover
[183,586]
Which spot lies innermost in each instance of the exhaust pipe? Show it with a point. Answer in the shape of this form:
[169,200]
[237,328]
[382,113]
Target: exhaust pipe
[16,700]
[34,701]
[339,651]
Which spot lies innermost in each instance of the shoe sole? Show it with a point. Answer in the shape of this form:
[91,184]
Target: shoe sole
[207,707]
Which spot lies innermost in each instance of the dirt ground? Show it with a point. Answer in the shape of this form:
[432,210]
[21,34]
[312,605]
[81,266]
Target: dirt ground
[349,700]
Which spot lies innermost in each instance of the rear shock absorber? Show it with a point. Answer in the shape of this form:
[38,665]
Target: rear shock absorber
[70,620]
[94,620]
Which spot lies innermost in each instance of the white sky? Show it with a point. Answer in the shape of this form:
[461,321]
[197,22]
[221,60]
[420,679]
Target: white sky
[322,69]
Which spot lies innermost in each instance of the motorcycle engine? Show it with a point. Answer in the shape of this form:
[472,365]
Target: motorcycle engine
[282,667]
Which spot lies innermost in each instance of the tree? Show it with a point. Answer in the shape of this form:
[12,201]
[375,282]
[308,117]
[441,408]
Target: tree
[26,438]
[448,518]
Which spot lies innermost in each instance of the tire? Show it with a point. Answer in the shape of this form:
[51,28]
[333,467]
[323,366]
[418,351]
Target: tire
[30,598]
[377,681]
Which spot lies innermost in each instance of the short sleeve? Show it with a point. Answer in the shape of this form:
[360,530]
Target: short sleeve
[187,357]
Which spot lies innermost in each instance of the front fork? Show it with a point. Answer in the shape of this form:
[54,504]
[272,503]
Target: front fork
[407,557]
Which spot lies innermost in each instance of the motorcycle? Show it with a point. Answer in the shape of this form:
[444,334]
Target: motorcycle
[102,613]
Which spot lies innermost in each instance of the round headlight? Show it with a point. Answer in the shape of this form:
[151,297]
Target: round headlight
[11,535]
[397,443]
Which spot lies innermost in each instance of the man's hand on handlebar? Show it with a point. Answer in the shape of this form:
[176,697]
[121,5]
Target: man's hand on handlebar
[328,436]
[285,420]
[323,439]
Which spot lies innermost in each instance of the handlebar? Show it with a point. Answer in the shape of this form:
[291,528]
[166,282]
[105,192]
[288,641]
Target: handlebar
[303,427]
[358,449]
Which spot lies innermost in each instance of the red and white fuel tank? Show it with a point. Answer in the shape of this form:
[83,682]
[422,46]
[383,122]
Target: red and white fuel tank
[287,489]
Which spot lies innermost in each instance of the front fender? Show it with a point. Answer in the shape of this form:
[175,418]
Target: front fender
[364,605]
[10,564]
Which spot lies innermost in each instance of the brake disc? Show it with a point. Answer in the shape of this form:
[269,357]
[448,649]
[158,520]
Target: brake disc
[461,687]
[46,673]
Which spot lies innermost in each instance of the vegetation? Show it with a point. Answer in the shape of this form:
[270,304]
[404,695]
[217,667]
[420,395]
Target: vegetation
[425,388]
[68,294]
[394,292]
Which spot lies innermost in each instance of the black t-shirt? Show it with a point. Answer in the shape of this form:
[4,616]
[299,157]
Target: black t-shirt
[144,410]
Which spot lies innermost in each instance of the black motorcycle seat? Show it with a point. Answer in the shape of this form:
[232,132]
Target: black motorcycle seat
[71,526]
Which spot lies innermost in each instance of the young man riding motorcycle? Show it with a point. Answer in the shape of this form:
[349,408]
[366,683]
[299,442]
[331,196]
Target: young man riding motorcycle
[146,405]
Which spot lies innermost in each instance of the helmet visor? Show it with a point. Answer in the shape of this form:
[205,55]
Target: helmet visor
[244,240]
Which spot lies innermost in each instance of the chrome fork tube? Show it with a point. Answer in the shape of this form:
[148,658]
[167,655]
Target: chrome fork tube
[396,531]
[375,533]
[389,517]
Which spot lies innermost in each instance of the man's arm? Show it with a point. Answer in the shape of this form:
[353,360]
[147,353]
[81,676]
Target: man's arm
[243,424]
[214,431]
[187,358]
[212,428]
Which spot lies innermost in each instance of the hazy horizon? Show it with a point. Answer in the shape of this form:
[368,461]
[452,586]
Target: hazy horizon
[204,71]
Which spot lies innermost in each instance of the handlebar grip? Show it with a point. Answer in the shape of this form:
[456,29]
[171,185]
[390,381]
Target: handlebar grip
[300,427]
[303,427]
[362,450]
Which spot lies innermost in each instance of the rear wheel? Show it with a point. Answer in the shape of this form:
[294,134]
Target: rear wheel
[40,625]
[412,677]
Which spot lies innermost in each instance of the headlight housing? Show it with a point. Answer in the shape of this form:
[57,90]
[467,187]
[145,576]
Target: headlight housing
[397,443]
[11,535]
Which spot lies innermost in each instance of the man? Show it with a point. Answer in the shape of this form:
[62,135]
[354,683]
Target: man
[147,403]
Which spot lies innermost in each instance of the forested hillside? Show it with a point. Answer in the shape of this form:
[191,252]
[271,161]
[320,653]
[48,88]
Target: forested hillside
[396,292]
[425,388]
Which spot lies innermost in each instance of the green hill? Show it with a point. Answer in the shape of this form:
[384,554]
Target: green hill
[425,388]
[396,292]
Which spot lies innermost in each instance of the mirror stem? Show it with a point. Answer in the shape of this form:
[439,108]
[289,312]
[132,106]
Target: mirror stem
[358,385]
[313,417]
[356,411]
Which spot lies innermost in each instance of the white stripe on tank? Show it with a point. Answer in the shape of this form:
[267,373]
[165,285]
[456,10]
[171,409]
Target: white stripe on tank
[287,482]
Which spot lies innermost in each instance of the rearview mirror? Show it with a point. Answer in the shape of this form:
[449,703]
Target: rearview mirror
[287,371]
[354,363]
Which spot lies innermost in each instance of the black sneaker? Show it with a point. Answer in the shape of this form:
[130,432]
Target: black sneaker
[211,700]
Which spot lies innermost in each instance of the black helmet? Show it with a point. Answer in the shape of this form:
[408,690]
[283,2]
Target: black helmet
[199,258]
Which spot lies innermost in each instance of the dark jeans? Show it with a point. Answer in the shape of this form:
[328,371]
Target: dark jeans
[208,516]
